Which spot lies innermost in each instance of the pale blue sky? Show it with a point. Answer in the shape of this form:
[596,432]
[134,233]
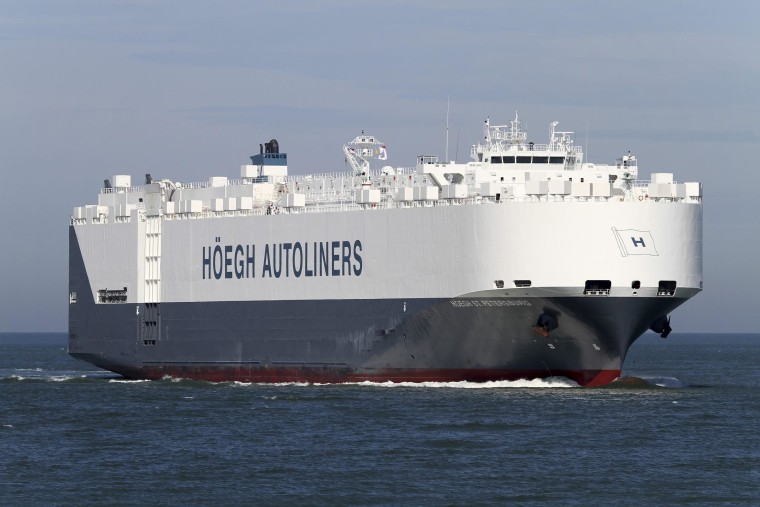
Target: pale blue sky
[188,89]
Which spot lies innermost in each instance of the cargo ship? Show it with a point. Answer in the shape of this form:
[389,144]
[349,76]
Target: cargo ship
[524,262]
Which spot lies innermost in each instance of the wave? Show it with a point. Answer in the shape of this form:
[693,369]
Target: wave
[645,382]
[551,382]
[39,375]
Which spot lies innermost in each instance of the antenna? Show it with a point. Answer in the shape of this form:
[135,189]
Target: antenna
[585,154]
[456,155]
[448,103]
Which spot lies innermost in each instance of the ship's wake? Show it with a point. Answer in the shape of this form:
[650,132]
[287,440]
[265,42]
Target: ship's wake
[41,375]
[551,382]
[644,382]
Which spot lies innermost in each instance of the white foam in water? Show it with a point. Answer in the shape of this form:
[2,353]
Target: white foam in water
[546,383]
[126,381]
[551,382]
[664,381]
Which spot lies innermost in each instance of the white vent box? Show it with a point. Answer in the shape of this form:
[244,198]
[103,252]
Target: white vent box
[489,189]
[121,181]
[218,181]
[454,191]
[693,188]
[246,203]
[662,177]
[425,193]
[367,195]
[295,200]
[559,187]
[581,189]
[405,194]
[601,188]
[536,187]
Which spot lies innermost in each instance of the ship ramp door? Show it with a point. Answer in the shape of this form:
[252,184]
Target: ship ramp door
[149,323]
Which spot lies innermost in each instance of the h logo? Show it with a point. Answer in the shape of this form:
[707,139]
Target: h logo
[641,243]
[638,242]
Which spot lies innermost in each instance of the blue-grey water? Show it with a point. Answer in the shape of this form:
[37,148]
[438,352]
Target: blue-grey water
[687,433]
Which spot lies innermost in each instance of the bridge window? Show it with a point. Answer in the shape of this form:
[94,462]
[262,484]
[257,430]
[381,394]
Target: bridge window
[496,160]
[540,160]
[523,160]
[556,160]
[508,160]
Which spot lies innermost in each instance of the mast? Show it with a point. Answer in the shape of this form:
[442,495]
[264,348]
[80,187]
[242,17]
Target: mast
[448,104]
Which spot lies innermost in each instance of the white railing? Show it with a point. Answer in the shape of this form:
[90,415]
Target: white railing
[121,190]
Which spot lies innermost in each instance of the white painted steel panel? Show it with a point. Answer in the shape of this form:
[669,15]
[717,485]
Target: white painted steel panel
[405,194]
[217,204]
[454,191]
[425,193]
[121,181]
[693,188]
[536,187]
[559,187]
[153,204]
[659,190]
[367,196]
[249,171]
[581,189]
[274,170]
[662,177]
[601,188]
[489,189]
[295,201]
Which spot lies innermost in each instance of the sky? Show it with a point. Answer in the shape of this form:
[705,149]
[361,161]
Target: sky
[188,89]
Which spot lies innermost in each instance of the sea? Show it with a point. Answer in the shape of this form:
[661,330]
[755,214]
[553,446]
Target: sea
[682,428]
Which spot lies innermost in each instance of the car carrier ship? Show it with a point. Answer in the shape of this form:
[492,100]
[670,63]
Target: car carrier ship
[525,262]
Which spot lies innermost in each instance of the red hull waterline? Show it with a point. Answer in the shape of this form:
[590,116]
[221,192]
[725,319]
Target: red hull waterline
[326,375]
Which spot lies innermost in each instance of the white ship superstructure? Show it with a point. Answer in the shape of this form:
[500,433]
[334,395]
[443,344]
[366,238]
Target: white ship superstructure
[525,261]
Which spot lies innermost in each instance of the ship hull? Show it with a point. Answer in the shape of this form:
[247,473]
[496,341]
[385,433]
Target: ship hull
[490,336]
[406,309]
[347,341]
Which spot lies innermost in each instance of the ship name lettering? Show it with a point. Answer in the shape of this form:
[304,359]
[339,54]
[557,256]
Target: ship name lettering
[478,303]
[220,262]
[283,260]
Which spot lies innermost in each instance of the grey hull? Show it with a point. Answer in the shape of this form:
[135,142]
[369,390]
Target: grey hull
[491,337]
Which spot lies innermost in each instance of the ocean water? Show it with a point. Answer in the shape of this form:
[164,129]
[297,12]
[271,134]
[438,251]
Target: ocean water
[682,429]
